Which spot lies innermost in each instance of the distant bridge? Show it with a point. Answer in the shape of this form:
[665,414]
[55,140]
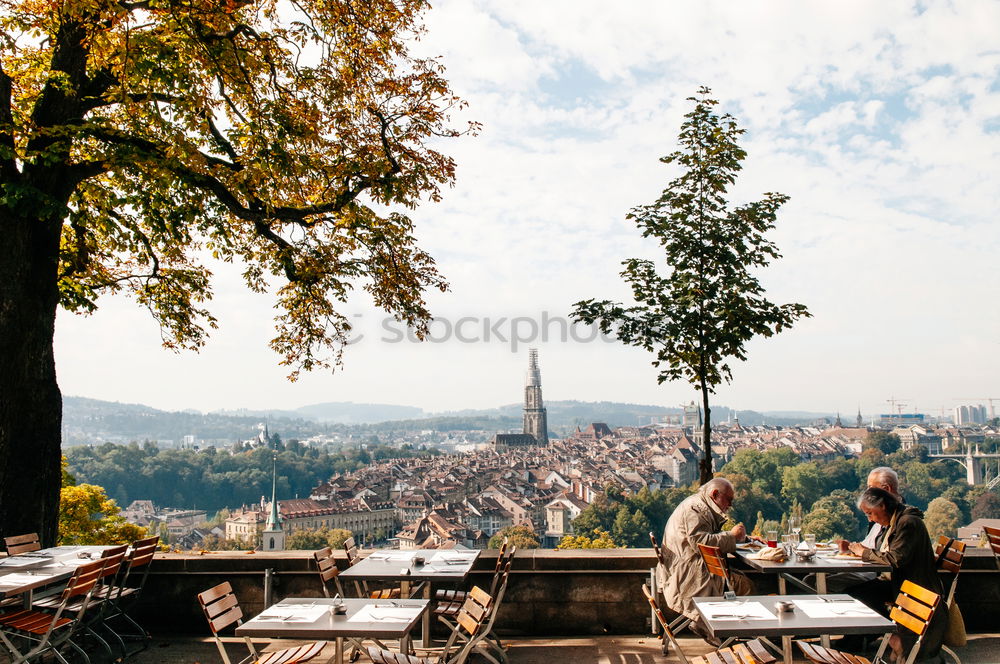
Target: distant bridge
[973,464]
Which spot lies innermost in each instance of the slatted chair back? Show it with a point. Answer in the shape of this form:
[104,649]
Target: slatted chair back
[657,549]
[328,570]
[950,555]
[749,652]
[16,544]
[351,548]
[913,610]
[993,540]
[137,565]
[502,570]
[668,634]
[113,572]
[716,563]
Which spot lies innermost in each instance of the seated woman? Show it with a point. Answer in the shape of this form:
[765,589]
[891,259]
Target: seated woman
[906,547]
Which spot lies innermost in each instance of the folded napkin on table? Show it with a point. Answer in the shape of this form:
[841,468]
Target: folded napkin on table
[773,553]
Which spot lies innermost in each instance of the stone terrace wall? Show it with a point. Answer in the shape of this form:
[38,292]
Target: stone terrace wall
[551,593]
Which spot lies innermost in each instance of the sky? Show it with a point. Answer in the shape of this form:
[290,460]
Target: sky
[881,121]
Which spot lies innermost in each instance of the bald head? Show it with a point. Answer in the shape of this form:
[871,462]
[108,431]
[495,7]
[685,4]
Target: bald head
[886,478]
[720,491]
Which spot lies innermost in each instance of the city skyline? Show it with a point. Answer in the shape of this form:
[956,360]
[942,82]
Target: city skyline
[881,126]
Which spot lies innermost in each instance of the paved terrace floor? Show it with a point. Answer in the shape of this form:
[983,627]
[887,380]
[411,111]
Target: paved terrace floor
[982,649]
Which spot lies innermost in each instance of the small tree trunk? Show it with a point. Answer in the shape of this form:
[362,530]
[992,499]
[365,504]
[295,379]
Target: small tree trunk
[706,439]
[30,401]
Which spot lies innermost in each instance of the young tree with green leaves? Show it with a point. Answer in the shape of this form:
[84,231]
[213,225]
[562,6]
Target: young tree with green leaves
[709,303]
[139,138]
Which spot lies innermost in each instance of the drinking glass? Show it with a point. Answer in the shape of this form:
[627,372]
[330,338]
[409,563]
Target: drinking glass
[810,539]
[772,538]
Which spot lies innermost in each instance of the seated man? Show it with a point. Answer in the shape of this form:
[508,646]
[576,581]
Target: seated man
[697,520]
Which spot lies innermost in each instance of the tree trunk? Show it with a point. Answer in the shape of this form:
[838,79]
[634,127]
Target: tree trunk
[30,401]
[705,465]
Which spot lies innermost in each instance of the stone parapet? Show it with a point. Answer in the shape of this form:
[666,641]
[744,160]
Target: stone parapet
[551,593]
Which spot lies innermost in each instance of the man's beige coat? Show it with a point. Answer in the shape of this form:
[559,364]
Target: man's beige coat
[694,522]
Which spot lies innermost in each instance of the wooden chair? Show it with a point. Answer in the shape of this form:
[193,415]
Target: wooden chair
[950,556]
[222,610]
[681,622]
[38,632]
[913,609]
[22,544]
[328,571]
[97,604]
[668,638]
[490,639]
[993,540]
[470,625]
[716,563]
[133,580]
[749,652]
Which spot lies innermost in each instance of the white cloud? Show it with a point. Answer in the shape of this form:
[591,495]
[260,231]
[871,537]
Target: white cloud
[880,120]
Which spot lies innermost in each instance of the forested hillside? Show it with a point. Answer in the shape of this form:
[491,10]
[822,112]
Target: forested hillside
[210,479]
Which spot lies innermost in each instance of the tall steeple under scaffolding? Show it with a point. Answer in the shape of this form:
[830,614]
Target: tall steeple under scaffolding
[536,421]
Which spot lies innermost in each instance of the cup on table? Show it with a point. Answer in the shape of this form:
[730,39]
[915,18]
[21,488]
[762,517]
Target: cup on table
[793,539]
[786,544]
[810,539]
[772,538]
[844,546]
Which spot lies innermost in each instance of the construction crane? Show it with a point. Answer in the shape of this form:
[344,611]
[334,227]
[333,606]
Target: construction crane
[897,405]
[988,399]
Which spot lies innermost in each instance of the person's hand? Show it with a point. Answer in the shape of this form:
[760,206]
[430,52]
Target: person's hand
[857,548]
[739,531]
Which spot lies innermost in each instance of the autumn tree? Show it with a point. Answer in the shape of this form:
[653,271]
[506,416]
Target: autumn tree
[141,139]
[597,539]
[88,516]
[523,537]
[709,302]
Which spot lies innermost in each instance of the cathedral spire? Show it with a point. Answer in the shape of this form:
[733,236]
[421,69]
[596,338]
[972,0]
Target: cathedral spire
[535,418]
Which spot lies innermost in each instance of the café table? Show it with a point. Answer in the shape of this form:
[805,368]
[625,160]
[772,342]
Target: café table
[405,567]
[822,563]
[312,618]
[24,573]
[812,615]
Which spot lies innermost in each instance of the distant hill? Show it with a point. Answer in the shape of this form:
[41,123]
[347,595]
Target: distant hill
[343,412]
[90,420]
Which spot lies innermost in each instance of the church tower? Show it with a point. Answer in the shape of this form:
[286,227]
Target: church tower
[535,420]
[274,536]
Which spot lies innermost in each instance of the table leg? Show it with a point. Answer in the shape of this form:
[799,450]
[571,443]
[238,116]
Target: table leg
[782,586]
[786,649]
[338,650]
[404,590]
[425,629]
[821,590]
